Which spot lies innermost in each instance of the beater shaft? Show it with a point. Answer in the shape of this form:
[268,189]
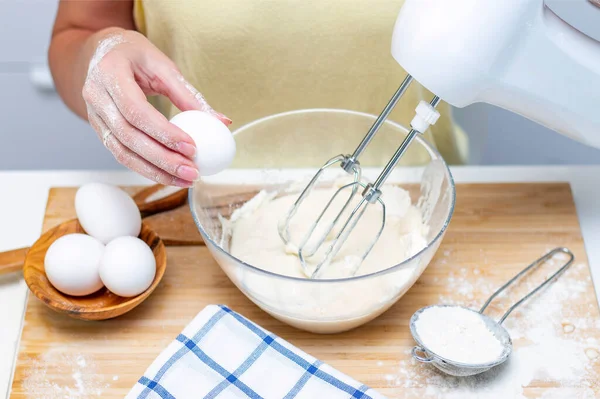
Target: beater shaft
[372,191]
[351,160]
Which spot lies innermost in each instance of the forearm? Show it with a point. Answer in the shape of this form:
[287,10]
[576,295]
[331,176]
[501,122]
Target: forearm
[69,57]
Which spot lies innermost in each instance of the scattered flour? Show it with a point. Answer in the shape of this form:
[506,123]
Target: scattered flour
[568,328]
[591,353]
[61,375]
[81,361]
[465,338]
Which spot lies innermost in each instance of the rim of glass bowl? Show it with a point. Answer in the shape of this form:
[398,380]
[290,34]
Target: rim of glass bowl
[432,151]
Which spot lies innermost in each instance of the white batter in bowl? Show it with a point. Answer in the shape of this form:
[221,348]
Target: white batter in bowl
[245,242]
[255,239]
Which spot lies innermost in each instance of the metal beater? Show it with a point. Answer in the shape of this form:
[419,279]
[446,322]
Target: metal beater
[426,115]
[424,355]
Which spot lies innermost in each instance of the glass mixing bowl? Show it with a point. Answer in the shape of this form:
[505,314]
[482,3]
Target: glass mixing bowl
[278,150]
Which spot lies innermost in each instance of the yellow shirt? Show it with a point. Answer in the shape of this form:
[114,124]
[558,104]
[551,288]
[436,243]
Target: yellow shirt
[253,58]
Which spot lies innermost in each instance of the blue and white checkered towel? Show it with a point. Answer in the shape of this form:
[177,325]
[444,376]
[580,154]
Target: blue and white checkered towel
[221,354]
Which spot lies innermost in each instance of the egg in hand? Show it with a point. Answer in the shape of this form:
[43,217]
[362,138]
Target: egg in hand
[215,146]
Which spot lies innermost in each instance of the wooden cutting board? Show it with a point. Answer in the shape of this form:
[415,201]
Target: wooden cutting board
[497,229]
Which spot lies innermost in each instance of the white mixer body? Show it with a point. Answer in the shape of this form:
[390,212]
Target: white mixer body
[516,54]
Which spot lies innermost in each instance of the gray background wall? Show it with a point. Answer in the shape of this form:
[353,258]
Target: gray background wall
[38,132]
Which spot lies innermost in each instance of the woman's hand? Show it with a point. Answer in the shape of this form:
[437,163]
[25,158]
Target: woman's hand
[124,69]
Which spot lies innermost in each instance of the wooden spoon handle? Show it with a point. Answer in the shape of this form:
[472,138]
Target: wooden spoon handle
[12,261]
[152,200]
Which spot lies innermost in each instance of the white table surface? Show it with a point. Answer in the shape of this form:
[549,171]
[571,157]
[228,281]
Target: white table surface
[25,194]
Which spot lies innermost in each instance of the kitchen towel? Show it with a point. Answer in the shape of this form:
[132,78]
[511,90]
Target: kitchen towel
[221,354]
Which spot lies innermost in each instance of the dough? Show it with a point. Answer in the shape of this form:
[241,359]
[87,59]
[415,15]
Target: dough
[255,238]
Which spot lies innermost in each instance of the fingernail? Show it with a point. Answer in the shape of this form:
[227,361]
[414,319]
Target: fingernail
[182,183]
[187,173]
[224,118]
[187,149]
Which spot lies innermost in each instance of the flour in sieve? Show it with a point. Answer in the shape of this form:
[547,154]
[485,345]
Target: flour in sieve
[458,334]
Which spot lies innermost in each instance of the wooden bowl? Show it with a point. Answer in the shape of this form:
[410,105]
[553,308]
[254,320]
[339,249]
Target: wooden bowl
[100,305]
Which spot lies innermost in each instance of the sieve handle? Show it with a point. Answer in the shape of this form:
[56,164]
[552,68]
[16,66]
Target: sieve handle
[416,354]
[537,262]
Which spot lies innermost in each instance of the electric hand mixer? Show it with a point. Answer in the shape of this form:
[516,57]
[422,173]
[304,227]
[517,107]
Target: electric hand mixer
[515,54]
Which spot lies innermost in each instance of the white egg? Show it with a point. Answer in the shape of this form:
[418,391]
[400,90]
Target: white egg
[72,262]
[215,146]
[106,212]
[128,266]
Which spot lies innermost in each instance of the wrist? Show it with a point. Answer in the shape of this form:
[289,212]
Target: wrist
[103,37]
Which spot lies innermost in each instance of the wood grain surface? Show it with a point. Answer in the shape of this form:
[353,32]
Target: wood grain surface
[497,229]
[12,261]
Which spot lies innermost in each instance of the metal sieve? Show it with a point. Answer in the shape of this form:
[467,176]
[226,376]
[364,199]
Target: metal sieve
[422,354]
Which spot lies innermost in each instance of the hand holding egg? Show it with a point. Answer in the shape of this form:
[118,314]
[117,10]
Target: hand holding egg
[137,134]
